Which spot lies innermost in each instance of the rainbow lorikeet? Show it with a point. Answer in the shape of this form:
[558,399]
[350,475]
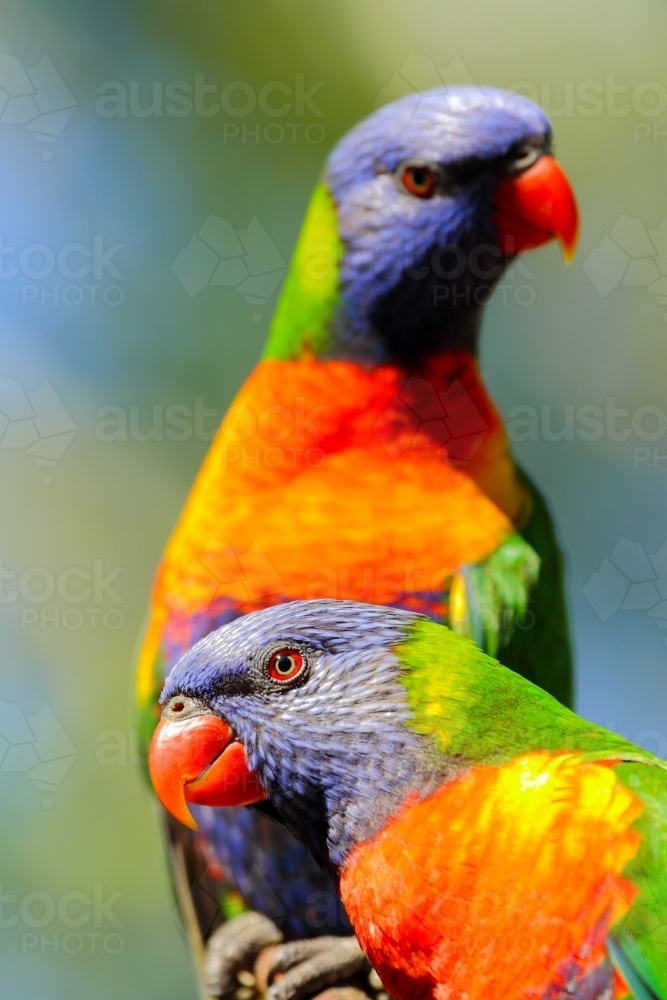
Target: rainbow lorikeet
[486,841]
[363,458]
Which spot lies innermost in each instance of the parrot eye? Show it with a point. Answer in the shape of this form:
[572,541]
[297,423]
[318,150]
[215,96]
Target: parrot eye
[526,155]
[418,178]
[285,665]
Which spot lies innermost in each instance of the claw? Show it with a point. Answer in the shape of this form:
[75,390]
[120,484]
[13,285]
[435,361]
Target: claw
[233,948]
[295,952]
[310,966]
[342,993]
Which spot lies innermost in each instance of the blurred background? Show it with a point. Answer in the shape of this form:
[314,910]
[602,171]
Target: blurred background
[123,128]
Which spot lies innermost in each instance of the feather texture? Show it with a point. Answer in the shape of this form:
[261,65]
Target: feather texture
[486,840]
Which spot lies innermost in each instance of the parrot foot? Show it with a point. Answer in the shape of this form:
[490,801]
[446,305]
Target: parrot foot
[302,968]
[231,951]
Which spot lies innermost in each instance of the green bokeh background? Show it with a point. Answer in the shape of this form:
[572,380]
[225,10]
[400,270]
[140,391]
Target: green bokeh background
[149,183]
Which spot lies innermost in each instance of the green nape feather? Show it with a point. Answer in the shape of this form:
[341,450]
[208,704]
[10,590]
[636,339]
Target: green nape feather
[485,712]
[302,320]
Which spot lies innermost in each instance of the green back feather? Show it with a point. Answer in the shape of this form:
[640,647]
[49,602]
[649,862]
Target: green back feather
[481,711]
[539,647]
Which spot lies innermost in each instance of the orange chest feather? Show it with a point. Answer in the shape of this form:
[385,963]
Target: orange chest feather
[327,479]
[499,884]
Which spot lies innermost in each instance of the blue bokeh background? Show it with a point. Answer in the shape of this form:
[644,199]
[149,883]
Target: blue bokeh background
[142,186]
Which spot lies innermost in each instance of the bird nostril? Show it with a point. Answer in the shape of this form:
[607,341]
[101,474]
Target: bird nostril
[181,707]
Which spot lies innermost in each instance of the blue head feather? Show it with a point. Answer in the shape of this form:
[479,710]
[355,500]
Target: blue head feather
[321,744]
[406,292]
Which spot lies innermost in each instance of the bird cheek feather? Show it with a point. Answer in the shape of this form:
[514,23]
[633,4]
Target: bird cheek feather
[199,760]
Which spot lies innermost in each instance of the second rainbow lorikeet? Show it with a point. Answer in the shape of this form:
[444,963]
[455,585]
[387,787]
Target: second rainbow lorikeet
[363,458]
[487,842]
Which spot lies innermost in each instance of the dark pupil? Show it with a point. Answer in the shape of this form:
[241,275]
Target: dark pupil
[420,176]
[284,664]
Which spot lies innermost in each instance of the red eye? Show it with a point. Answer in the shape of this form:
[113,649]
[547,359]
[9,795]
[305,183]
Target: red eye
[285,664]
[419,179]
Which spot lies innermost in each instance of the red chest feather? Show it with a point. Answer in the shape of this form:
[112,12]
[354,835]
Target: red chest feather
[499,884]
[328,479]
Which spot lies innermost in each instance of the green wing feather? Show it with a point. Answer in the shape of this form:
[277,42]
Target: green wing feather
[539,647]
[495,594]
[631,963]
[513,603]
[638,944]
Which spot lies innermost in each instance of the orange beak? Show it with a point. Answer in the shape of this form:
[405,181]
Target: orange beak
[199,760]
[535,207]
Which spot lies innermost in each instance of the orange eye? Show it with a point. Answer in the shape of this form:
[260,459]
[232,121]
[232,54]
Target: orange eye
[419,179]
[285,664]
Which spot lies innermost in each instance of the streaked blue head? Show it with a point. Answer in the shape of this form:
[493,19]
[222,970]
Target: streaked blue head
[425,191]
[300,705]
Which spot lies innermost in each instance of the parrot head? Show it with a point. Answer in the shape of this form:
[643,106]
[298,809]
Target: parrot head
[432,197]
[298,709]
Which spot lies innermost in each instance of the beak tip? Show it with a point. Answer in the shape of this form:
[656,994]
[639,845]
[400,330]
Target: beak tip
[173,800]
[187,819]
[166,775]
[569,248]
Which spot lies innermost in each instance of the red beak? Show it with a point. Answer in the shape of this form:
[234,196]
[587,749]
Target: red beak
[200,760]
[535,207]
